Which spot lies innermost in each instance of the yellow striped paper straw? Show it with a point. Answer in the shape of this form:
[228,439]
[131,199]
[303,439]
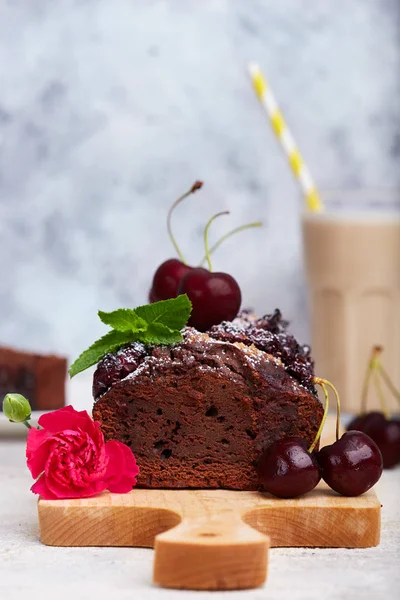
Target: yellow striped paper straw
[286,139]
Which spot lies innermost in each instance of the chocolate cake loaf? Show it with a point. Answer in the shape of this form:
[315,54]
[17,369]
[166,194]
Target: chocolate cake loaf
[39,377]
[199,414]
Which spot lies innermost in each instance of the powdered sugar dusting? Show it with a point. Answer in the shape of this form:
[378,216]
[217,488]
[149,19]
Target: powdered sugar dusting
[254,356]
[269,334]
[126,351]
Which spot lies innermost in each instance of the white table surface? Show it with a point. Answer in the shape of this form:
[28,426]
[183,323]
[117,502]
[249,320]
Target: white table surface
[29,569]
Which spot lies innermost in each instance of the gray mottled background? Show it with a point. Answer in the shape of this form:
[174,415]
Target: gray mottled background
[109,110]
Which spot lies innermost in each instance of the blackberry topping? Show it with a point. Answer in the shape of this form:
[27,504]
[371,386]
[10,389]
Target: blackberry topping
[114,367]
[269,335]
[273,323]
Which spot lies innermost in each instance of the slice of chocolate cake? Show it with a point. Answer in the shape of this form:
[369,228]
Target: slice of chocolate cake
[199,414]
[39,377]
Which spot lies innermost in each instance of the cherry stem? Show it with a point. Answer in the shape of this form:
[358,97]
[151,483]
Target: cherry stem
[375,368]
[334,390]
[365,388]
[389,382]
[207,227]
[196,186]
[380,394]
[318,435]
[228,235]
[323,383]
[373,364]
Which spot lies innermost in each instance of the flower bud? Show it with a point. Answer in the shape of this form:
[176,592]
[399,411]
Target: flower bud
[16,408]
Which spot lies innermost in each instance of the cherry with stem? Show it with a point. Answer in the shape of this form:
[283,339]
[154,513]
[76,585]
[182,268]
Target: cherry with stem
[168,275]
[384,430]
[352,464]
[215,297]
[365,420]
[287,468]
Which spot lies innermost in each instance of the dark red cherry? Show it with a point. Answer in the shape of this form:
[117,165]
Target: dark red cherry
[166,279]
[366,421]
[287,470]
[215,297]
[352,465]
[357,423]
[384,432]
[387,437]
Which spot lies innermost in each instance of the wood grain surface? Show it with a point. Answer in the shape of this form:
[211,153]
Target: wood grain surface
[212,539]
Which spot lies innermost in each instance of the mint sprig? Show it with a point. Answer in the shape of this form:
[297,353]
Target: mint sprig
[157,323]
[123,319]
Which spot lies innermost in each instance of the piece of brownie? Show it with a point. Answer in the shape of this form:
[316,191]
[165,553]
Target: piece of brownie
[40,378]
[199,414]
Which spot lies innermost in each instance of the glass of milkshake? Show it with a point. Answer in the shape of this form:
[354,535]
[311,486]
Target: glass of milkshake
[352,261]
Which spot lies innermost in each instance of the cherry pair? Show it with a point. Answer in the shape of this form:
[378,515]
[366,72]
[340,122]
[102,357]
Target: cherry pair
[215,297]
[350,466]
[384,430]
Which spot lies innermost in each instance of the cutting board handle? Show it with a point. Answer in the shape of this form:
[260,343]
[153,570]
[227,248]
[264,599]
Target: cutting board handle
[211,553]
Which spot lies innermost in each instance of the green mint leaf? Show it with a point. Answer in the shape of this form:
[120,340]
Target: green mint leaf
[123,319]
[108,343]
[157,333]
[158,323]
[172,313]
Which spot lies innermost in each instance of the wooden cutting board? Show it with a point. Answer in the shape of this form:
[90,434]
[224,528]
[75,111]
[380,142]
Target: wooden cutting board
[213,539]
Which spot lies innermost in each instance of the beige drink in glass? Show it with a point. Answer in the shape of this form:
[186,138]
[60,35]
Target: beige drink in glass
[352,263]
